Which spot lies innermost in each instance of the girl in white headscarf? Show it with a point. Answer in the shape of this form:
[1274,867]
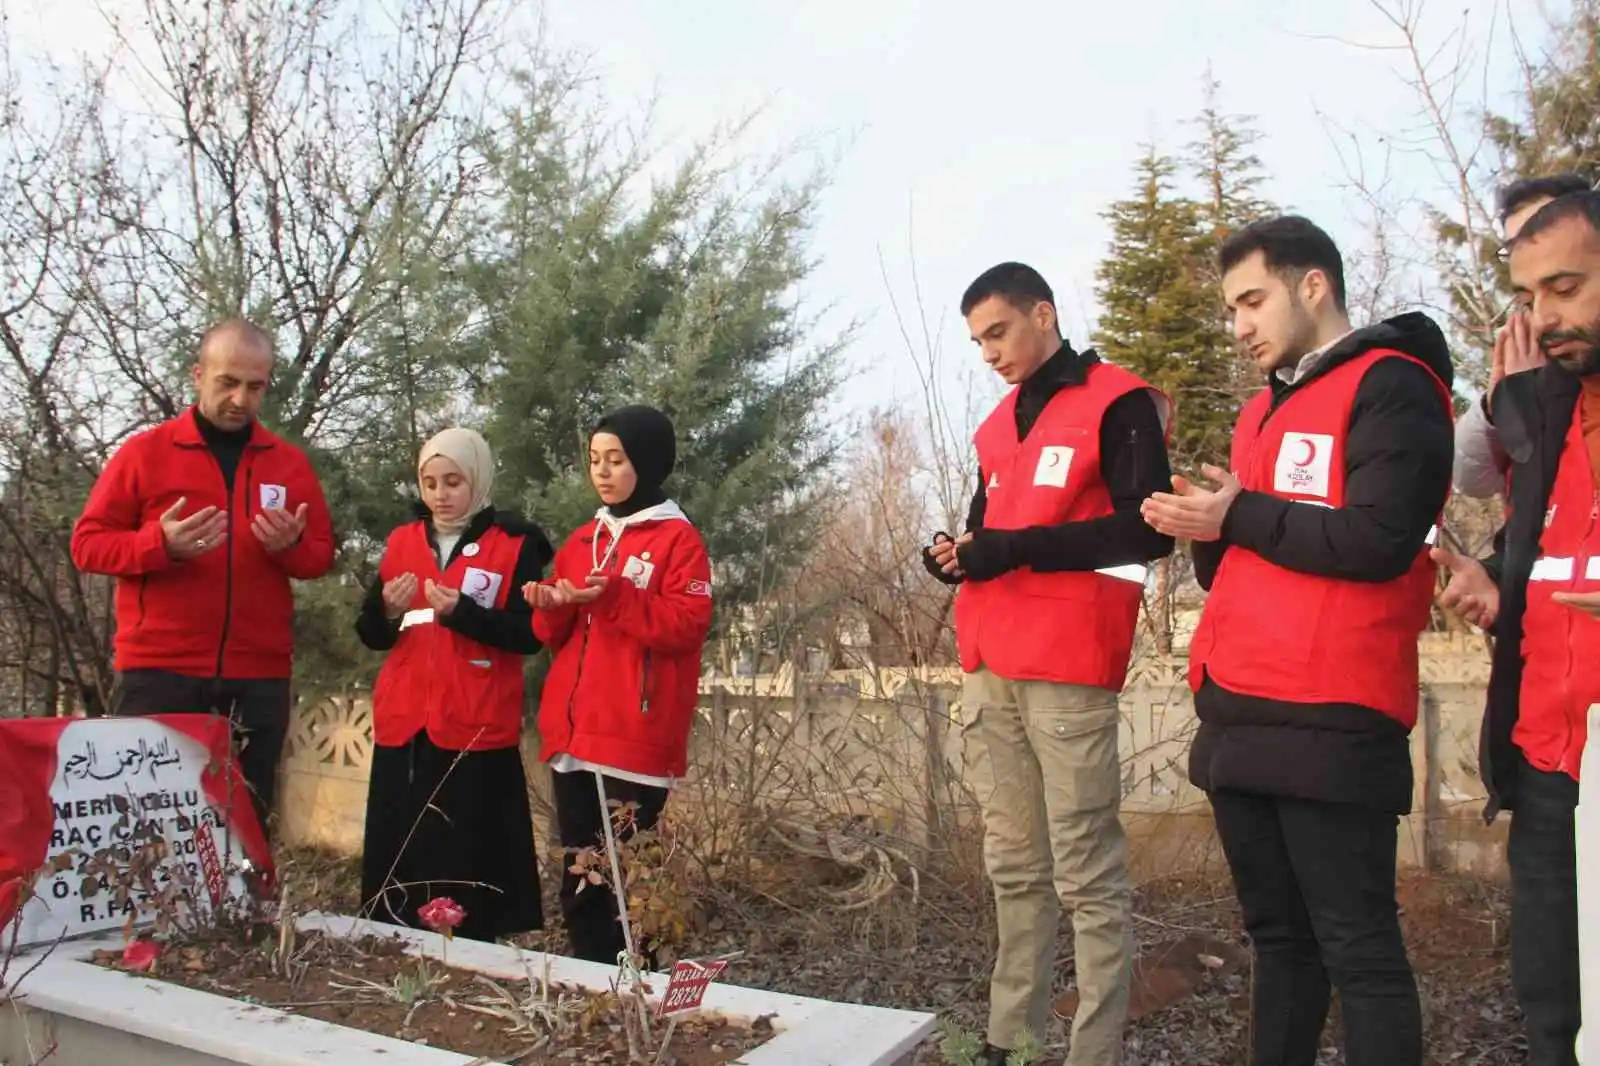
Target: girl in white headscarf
[447,804]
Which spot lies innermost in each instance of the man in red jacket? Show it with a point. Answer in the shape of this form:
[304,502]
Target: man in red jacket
[203,520]
[1052,570]
[1538,593]
[1314,549]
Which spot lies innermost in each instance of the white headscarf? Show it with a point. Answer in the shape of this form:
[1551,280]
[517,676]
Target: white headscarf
[470,452]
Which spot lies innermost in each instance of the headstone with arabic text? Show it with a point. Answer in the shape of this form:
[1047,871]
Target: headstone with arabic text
[86,786]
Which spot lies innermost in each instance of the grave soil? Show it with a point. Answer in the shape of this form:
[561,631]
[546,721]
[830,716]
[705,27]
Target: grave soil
[372,984]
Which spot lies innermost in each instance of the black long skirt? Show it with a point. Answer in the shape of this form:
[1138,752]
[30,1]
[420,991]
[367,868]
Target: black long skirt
[456,824]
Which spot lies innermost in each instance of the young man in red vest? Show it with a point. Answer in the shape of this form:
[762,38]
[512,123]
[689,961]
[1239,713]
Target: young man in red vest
[1539,594]
[1052,570]
[1314,549]
[203,520]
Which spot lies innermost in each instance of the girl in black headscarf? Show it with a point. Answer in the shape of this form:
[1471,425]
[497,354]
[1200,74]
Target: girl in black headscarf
[626,611]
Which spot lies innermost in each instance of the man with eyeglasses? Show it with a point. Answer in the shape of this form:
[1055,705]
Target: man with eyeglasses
[1481,464]
[1539,595]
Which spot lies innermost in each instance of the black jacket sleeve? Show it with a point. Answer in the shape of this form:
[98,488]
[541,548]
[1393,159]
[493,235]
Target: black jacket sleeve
[1207,557]
[509,628]
[980,502]
[1134,463]
[979,505]
[376,630]
[1399,454]
[1495,562]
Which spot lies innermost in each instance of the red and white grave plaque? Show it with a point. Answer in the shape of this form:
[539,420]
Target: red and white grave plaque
[688,983]
[74,787]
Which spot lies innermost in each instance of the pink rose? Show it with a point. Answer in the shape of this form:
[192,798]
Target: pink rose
[441,914]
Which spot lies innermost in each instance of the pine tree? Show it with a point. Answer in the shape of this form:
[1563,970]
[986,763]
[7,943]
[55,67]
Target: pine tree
[1223,162]
[1560,130]
[1159,308]
[684,301]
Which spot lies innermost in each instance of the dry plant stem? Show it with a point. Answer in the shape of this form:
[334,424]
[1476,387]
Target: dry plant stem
[666,1040]
[9,994]
[388,877]
[620,887]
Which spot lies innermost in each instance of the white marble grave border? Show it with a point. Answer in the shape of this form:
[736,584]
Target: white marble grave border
[215,1029]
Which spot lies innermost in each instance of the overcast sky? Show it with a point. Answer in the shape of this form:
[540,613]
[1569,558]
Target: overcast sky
[991,131]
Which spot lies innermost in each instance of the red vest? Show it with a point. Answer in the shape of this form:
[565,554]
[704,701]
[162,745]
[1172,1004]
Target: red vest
[1561,644]
[1278,634]
[467,695]
[1070,627]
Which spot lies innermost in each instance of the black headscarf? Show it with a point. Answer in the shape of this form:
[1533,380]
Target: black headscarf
[651,446]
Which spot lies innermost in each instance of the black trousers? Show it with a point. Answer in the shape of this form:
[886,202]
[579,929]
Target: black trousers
[1544,913]
[258,710]
[593,926]
[1316,885]
[450,823]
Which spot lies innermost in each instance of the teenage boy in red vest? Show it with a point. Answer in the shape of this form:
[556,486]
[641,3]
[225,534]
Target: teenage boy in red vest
[1051,568]
[1539,594]
[1314,548]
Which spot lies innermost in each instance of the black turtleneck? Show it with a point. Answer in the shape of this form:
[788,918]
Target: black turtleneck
[227,445]
[1133,463]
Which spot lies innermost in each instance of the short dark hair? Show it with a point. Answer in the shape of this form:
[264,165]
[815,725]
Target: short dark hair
[1524,191]
[1584,205]
[1291,246]
[1017,284]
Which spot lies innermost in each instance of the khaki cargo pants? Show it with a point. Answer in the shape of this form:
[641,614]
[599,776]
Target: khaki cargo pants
[1042,760]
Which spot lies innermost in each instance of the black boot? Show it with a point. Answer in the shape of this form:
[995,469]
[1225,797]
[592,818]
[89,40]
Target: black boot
[991,1055]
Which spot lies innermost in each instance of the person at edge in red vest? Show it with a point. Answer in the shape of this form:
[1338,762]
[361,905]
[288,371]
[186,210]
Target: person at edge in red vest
[1314,550]
[626,612]
[1051,569]
[1482,465]
[447,803]
[1538,594]
[204,520]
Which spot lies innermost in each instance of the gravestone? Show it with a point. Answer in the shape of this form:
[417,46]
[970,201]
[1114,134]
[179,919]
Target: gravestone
[72,789]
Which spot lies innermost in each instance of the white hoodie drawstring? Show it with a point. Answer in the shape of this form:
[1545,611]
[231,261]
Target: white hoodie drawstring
[603,520]
[615,526]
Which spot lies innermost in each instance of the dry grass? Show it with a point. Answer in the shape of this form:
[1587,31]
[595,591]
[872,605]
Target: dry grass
[933,952]
[841,856]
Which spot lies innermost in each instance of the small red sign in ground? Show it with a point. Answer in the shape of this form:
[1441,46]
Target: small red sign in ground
[688,984]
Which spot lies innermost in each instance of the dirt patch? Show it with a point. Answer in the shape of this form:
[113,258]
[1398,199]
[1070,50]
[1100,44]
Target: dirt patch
[374,985]
[1166,973]
[934,952]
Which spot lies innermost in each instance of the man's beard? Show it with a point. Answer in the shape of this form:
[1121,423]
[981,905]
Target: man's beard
[1582,361]
[1302,340]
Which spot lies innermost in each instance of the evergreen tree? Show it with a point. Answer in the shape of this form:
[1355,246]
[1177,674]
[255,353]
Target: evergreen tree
[1223,161]
[1159,308]
[1229,173]
[685,301]
[1560,130]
